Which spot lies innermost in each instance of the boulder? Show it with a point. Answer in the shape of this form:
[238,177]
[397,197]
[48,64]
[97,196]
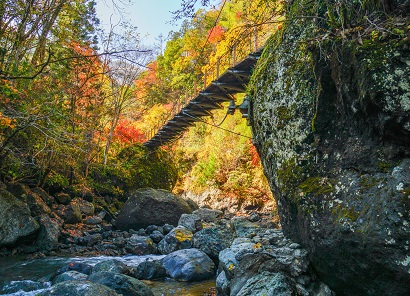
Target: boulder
[122,284]
[222,284]
[213,240]
[71,275]
[189,265]
[331,123]
[151,207]
[140,245]
[179,238]
[16,223]
[49,234]
[78,288]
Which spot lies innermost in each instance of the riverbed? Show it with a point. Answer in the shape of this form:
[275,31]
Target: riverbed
[14,270]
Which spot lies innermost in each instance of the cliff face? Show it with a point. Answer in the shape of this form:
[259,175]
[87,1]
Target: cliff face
[331,121]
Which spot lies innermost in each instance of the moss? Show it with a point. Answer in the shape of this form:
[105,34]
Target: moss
[368,182]
[284,115]
[317,186]
[289,175]
[384,167]
[341,212]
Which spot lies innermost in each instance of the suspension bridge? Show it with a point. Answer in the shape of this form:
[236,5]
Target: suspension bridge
[223,89]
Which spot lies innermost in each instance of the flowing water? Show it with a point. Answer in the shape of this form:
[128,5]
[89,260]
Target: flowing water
[33,274]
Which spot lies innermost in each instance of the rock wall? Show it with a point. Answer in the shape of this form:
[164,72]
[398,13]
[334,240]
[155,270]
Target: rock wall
[331,122]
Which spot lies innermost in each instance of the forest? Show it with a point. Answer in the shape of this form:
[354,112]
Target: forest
[77,102]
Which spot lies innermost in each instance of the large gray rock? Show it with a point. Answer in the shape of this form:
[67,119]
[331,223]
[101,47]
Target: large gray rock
[78,288]
[332,126]
[122,284]
[15,220]
[148,270]
[151,207]
[189,265]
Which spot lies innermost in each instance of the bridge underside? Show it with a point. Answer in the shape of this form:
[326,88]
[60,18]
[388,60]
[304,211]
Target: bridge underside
[221,90]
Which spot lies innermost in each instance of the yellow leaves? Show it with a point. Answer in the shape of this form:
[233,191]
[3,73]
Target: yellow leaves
[6,121]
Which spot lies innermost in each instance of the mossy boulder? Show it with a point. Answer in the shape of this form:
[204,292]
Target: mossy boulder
[331,122]
[16,223]
[151,207]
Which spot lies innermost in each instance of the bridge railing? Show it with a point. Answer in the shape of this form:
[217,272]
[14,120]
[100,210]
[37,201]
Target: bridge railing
[249,38]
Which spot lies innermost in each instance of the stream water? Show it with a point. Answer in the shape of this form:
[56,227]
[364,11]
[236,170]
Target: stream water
[14,270]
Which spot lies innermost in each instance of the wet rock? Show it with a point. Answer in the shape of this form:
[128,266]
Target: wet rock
[71,275]
[78,288]
[25,286]
[140,245]
[189,265]
[122,284]
[213,240]
[179,238]
[113,265]
[151,207]
[49,233]
[16,223]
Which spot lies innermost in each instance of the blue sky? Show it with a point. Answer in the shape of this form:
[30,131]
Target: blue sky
[151,17]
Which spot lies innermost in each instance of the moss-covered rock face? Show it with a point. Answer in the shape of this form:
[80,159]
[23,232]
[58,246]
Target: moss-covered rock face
[331,121]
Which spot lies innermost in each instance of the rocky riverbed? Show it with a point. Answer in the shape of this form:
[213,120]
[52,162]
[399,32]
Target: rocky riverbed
[241,255]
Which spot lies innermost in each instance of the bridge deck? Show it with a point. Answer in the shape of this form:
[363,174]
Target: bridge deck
[231,82]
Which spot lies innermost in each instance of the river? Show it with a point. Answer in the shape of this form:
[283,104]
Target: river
[14,270]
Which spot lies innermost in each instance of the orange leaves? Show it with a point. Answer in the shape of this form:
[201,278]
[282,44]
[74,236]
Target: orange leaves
[216,34]
[6,122]
[256,161]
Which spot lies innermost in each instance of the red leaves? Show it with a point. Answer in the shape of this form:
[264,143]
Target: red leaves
[127,133]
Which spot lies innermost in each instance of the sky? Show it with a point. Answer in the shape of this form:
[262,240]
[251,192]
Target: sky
[151,17]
